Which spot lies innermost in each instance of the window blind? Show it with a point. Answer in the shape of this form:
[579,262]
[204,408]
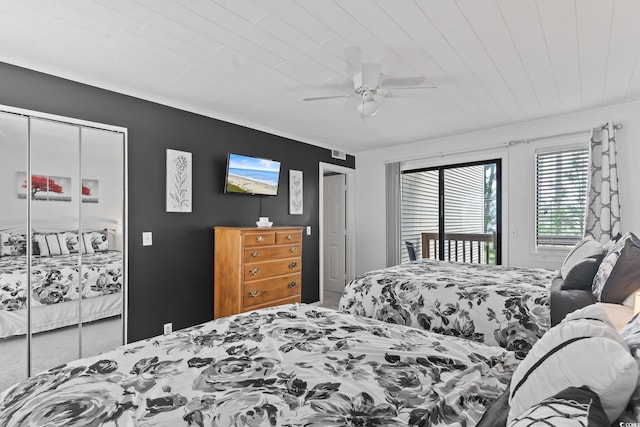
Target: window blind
[562,178]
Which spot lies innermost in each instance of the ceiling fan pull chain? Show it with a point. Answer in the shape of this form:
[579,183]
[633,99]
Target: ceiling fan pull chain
[362,114]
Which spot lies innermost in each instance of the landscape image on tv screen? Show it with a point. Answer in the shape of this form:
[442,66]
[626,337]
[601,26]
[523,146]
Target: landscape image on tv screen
[252,175]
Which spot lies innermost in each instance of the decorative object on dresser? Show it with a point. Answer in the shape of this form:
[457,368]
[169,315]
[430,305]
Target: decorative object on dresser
[256,268]
[263,221]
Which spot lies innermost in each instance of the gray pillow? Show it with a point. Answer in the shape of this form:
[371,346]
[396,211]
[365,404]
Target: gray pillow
[581,275]
[618,275]
[585,248]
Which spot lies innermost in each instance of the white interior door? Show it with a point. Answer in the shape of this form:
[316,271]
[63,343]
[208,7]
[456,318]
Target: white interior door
[334,232]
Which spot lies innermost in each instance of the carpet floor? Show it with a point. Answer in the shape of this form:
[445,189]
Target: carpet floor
[53,348]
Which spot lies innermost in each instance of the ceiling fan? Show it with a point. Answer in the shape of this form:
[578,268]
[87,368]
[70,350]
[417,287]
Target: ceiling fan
[368,82]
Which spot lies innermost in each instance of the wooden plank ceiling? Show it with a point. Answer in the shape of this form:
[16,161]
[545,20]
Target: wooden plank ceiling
[251,62]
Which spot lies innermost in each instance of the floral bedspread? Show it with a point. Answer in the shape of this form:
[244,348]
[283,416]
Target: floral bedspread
[495,305]
[56,279]
[293,365]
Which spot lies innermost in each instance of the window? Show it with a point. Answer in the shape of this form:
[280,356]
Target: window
[454,210]
[562,178]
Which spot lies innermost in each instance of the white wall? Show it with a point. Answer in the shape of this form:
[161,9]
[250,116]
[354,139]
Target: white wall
[107,170]
[517,177]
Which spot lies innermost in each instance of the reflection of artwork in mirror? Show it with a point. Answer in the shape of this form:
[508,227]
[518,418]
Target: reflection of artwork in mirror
[55,188]
[90,189]
[295,192]
[178,181]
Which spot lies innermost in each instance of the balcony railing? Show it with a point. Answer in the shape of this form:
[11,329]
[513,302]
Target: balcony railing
[460,247]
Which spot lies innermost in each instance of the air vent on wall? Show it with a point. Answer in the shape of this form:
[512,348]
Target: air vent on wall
[338,154]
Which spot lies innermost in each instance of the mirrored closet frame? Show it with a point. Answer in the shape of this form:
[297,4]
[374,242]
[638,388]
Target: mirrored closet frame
[32,114]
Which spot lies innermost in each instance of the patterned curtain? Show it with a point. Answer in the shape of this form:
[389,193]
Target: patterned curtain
[392,196]
[603,209]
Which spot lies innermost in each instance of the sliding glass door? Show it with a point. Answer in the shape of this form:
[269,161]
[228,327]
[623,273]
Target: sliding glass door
[452,212]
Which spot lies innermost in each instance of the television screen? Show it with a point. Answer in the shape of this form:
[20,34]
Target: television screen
[252,175]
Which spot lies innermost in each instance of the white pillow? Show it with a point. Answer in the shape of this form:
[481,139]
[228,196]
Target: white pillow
[587,247]
[53,243]
[87,246]
[62,241]
[584,349]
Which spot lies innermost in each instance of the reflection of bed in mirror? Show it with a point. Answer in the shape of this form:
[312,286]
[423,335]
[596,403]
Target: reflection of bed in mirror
[60,258]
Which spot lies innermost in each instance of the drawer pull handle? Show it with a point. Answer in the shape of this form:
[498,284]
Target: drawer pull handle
[293,249]
[254,293]
[289,237]
[293,264]
[260,238]
[292,285]
[254,271]
[255,254]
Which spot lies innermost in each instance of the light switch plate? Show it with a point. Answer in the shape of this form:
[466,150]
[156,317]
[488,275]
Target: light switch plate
[147,238]
[308,230]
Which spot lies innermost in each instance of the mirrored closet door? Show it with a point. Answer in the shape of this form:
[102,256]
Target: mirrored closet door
[62,244]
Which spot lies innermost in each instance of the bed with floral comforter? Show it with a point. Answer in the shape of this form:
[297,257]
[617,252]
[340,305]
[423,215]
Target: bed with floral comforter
[293,365]
[54,289]
[55,279]
[492,304]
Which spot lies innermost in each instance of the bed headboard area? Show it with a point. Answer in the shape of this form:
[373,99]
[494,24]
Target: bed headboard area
[62,224]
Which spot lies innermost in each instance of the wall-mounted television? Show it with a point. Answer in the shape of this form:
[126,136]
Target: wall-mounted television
[251,175]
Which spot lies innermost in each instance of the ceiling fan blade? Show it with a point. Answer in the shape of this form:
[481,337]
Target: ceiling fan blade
[353,60]
[402,81]
[388,93]
[414,87]
[318,98]
[345,86]
[370,74]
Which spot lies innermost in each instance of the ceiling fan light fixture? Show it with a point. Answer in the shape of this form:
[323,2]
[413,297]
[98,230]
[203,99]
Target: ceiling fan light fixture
[368,108]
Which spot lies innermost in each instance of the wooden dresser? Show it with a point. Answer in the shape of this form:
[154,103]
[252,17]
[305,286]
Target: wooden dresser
[255,268]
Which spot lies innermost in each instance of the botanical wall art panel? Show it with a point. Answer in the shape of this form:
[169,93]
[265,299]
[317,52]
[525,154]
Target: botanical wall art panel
[179,189]
[295,192]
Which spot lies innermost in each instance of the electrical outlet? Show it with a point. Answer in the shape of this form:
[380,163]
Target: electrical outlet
[168,328]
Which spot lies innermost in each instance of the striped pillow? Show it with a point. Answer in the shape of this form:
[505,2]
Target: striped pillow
[51,244]
[583,349]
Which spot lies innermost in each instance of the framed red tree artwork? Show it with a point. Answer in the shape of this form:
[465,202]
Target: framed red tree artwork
[90,190]
[44,187]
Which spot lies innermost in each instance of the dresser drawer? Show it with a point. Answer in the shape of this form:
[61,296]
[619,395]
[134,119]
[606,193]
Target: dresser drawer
[263,270]
[264,291]
[291,236]
[259,238]
[283,301]
[271,252]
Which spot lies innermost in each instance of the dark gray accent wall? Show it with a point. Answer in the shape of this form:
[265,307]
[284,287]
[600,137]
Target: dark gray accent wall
[172,281]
